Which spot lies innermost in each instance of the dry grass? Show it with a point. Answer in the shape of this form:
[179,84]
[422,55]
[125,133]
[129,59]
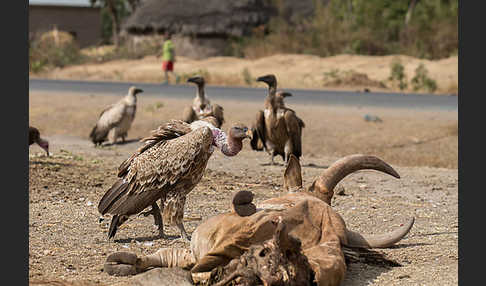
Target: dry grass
[292,71]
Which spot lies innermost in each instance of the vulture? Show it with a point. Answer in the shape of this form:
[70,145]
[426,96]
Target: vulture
[277,129]
[279,98]
[168,165]
[34,137]
[201,106]
[115,120]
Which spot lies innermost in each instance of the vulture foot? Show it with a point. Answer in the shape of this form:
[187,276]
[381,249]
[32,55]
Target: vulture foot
[121,264]
[184,234]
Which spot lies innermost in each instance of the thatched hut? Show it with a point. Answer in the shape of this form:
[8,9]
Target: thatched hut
[202,28]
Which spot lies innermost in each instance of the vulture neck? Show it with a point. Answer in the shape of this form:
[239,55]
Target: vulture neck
[270,102]
[200,92]
[228,145]
[131,99]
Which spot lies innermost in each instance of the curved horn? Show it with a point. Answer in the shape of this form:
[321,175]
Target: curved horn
[378,240]
[324,185]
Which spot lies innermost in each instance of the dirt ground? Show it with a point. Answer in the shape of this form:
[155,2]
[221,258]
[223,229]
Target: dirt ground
[341,72]
[67,241]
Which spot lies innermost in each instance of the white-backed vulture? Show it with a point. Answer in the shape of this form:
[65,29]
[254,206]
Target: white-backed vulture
[115,120]
[34,137]
[277,127]
[302,218]
[201,105]
[167,167]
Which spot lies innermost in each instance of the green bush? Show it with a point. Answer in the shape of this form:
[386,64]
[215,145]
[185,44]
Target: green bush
[247,77]
[369,27]
[421,80]
[397,74]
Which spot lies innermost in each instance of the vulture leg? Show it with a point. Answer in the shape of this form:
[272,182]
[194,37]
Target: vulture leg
[184,234]
[112,136]
[273,162]
[123,136]
[155,211]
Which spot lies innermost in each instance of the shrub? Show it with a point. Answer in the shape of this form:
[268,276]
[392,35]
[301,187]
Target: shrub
[247,77]
[421,80]
[397,74]
[53,49]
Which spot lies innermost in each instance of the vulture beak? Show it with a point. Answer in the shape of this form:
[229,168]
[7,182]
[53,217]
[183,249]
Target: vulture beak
[195,79]
[44,145]
[248,133]
[262,78]
[268,79]
[138,90]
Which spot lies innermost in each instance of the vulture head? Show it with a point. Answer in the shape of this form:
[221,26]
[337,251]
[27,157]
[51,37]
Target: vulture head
[134,90]
[269,79]
[198,80]
[283,93]
[239,131]
[34,137]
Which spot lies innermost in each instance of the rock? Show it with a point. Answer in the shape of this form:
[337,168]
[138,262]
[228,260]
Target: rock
[372,118]
[160,277]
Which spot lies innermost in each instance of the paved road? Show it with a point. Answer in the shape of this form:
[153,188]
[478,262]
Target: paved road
[301,96]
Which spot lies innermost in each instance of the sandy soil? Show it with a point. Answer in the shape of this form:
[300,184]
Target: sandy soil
[293,71]
[67,241]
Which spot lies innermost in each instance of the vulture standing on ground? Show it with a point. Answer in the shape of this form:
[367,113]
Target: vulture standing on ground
[116,119]
[167,167]
[201,106]
[34,137]
[277,129]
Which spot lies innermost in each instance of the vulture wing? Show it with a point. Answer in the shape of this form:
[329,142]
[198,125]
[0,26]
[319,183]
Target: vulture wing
[34,135]
[259,131]
[159,164]
[188,115]
[108,119]
[294,129]
[218,113]
[170,130]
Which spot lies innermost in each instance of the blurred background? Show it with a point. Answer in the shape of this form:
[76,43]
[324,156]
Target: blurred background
[406,45]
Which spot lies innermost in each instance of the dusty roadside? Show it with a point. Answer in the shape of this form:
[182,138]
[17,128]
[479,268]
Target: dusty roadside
[341,72]
[67,241]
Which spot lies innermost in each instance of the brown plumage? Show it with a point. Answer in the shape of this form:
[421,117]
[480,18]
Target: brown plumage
[277,128]
[115,120]
[167,167]
[34,137]
[201,105]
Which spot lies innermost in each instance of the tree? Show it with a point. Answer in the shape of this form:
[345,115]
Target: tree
[117,10]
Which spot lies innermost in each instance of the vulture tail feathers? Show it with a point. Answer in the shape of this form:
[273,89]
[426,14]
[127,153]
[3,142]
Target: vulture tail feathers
[97,136]
[112,195]
[115,222]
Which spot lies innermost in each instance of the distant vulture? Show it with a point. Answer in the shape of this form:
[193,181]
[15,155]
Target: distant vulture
[34,137]
[167,167]
[201,106]
[115,120]
[279,98]
[277,129]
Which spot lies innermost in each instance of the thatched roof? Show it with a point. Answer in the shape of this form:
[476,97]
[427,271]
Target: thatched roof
[197,17]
